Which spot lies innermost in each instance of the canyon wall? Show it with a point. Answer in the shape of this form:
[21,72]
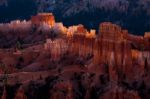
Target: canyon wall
[109,64]
[112,46]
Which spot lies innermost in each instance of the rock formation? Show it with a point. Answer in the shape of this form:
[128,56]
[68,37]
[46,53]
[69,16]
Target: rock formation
[74,63]
[42,18]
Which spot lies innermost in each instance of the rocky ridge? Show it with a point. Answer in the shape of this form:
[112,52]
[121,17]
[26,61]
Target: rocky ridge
[57,62]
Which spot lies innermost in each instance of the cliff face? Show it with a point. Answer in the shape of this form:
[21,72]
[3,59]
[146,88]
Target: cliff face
[113,47]
[73,63]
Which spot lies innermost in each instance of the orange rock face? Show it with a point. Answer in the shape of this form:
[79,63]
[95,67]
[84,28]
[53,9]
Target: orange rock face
[41,18]
[113,47]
